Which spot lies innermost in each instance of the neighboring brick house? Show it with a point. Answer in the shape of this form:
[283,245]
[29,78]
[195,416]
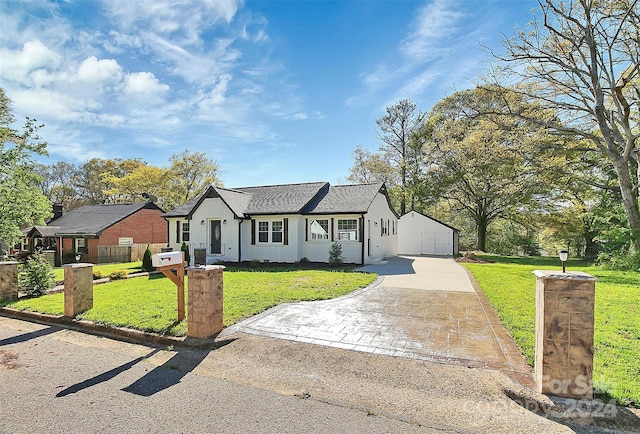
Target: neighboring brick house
[86,229]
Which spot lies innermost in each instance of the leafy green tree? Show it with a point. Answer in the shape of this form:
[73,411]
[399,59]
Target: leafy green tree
[190,173]
[581,61]
[140,179]
[485,166]
[21,201]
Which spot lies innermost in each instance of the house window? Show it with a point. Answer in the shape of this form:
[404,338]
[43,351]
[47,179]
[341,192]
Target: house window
[276,232]
[125,241]
[185,231]
[348,229]
[271,232]
[263,232]
[394,227]
[80,245]
[385,227]
[319,229]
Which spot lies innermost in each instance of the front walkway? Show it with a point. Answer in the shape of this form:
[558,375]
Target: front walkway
[422,307]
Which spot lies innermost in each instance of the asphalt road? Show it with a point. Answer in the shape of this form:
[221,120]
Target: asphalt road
[54,380]
[57,381]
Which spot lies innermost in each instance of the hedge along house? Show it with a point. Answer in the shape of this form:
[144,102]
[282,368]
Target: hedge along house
[100,233]
[424,235]
[287,223]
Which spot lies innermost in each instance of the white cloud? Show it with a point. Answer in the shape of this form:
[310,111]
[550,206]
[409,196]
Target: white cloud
[92,70]
[144,84]
[435,22]
[34,56]
[183,20]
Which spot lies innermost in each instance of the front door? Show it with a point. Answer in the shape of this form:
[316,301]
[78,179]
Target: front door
[215,233]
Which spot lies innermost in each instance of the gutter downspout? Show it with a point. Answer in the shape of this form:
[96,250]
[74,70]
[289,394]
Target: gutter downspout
[240,241]
[364,237]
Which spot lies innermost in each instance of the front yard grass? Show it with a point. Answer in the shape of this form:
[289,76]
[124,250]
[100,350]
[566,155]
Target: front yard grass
[105,269]
[150,303]
[510,287]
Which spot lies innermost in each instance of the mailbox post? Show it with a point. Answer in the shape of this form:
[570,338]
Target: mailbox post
[167,261]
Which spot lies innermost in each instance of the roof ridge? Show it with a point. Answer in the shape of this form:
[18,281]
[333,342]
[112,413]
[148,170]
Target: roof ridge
[282,185]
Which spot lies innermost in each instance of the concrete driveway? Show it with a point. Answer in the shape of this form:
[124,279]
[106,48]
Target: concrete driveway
[424,308]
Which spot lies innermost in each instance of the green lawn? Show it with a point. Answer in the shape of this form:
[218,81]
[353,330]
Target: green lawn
[510,286]
[150,303]
[105,269]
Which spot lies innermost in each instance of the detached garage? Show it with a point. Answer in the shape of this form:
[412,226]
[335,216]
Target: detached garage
[422,235]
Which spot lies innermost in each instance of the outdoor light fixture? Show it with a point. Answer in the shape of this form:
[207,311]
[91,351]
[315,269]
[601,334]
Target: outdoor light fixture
[224,222]
[78,256]
[201,222]
[563,255]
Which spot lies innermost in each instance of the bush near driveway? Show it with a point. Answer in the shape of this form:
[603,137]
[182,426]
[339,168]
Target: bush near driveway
[510,287]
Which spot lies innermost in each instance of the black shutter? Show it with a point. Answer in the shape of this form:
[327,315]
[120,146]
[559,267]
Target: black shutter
[178,231]
[332,229]
[306,230]
[253,232]
[286,231]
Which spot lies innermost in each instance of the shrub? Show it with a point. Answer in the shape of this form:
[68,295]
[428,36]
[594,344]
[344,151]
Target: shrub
[146,260]
[36,275]
[623,261]
[335,254]
[118,274]
[97,274]
[185,248]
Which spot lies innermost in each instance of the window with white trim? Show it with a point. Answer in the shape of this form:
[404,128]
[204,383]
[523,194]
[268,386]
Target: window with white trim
[348,229]
[263,232]
[271,232]
[185,231]
[319,229]
[276,231]
[385,227]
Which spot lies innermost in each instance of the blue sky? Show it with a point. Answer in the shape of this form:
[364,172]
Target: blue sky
[274,91]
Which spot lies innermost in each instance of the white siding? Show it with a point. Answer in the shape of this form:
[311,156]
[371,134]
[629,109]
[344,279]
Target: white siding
[200,228]
[377,245]
[421,235]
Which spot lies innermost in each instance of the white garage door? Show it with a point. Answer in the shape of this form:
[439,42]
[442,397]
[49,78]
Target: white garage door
[436,243]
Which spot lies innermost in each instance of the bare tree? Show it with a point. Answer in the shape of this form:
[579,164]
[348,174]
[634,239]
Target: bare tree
[583,61]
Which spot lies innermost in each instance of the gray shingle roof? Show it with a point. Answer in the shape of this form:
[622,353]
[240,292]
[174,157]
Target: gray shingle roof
[93,219]
[308,198]
[343,199]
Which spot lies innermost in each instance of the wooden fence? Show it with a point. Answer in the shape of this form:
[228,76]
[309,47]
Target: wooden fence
[132,253]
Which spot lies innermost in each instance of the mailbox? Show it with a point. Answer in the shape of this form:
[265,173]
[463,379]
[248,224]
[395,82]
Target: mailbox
[167,258]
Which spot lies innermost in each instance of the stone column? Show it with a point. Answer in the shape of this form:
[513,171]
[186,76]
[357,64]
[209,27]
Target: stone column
[78,288]
[8,280]
[204,308]
[564,333]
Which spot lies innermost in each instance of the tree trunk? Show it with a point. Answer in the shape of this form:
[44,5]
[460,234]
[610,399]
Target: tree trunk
[481,227]
[629,198]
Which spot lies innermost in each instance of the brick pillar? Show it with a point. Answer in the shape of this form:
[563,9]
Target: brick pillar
[8,280]
[564,333]
[78,288]
[204,311]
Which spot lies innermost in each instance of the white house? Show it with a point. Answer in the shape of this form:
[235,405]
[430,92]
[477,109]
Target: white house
[419,234]
[286,223]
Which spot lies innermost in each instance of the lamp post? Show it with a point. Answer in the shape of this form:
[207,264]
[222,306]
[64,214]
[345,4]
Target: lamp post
[563,255]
